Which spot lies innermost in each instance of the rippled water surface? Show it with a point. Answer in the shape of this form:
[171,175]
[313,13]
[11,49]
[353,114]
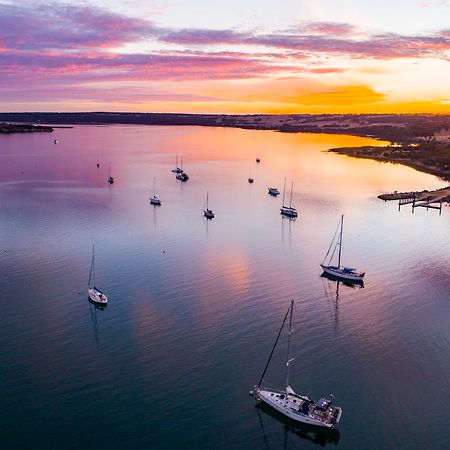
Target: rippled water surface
[195,305]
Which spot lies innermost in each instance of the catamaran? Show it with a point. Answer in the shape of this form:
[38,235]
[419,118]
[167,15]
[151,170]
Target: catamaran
[206,211]
[345,273]
[155,200]
[288,211]
[295,406]
[95,294]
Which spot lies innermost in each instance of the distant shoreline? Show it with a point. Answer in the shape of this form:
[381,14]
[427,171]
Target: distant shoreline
[9,128]
[422,141]
[433,158]
[398,128]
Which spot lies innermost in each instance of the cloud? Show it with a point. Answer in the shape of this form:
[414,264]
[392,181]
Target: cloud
[81,28]
[330,28]
[48,67]
[67,27]
[62,46]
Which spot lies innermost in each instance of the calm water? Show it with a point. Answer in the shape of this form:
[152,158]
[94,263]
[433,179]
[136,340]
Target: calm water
[195,306]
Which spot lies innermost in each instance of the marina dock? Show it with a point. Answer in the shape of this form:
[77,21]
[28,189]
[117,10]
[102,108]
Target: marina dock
[424,199]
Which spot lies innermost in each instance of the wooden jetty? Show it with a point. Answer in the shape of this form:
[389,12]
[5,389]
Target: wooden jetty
[424,199]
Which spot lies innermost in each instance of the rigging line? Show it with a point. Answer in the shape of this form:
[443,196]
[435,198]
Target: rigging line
[332,242]
[334,251]
[273,348]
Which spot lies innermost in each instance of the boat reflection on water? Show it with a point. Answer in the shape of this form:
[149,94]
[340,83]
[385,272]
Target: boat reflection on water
[93,307]
[317,435]
[333,298]
[96,305]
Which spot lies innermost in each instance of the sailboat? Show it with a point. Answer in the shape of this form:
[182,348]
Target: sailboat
[110,178]
[181,174]
[288,211]
[345,273]
[250,179]
[155,200]
[295,406]
[95,294]
[206,211]
[177,169]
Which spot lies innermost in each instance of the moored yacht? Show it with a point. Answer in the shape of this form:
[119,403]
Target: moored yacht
[155,200]
[95,294]
[295,406]
[345,273]
[273,191]
[177,169]
[206,211]
[288,211]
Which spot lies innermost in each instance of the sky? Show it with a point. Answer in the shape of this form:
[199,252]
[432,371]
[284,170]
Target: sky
[231,57]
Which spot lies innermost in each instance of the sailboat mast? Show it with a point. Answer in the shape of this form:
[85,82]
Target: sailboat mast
[154,186]
[290,198]
[340,241]
[284,190]
[92,271]
[288,360]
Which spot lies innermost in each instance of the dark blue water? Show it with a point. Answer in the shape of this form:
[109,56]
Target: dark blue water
[194,306]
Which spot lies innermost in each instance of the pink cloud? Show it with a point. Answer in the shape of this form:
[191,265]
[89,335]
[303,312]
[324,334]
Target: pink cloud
[68,46]
[330,28]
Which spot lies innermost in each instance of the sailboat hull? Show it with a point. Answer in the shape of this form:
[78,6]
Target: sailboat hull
[338,272]
[288,212]
[97,296]
[289,406]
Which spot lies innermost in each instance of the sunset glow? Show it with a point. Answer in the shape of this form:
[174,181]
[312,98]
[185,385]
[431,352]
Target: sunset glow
[213,57]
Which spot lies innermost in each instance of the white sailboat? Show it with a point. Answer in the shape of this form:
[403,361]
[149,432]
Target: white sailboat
[288,211]
[206,211]
[345,273]
[95,294]
[177,169]
[155,200]
[295,406]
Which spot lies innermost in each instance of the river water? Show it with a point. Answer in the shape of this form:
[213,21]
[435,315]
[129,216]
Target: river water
[195,305]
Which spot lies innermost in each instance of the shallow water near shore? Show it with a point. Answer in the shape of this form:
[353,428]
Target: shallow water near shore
[195,305]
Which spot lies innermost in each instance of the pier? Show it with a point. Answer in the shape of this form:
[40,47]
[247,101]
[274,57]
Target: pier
[424,199]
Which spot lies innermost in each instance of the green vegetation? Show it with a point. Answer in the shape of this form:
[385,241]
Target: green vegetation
[429,156]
